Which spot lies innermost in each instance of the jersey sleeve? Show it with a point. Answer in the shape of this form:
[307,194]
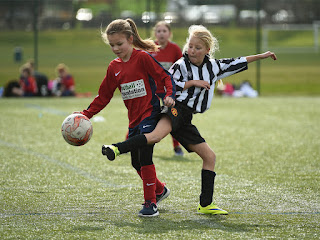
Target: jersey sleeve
[158,73]
[230,66]
[106,90]
[178,76]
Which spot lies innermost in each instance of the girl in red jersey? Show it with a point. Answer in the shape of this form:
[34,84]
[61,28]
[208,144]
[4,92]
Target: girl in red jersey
[168,53]
[135,73]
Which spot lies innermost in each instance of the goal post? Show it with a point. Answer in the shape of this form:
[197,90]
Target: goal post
[313,46]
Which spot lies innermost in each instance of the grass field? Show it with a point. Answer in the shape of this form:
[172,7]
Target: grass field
[88,57]
[268,173]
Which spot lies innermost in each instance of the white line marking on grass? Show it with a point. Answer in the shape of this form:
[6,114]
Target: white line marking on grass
[62,164]
[174,212]
[50,214]
[274,213]
[48,110]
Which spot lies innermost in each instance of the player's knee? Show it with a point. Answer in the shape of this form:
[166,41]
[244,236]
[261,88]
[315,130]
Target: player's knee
[157,139]
[213,156]
[209,156]
[152,138]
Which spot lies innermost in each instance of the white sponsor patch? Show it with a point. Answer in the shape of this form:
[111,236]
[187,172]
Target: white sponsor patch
[133,90]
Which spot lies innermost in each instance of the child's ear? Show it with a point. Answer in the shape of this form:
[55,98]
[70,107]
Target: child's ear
[131,39]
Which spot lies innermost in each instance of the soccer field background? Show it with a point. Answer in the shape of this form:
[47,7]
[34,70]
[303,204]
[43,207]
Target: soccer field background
[87,56]
[267,174]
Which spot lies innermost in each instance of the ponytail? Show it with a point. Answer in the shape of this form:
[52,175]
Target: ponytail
[129,28]
[147,44]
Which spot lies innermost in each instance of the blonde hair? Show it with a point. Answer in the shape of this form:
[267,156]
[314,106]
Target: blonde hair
[25,68]
[61,66]
[205,35]
[129,28]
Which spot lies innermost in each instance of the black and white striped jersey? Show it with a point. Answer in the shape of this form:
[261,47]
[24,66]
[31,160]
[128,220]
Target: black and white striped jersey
[211,70]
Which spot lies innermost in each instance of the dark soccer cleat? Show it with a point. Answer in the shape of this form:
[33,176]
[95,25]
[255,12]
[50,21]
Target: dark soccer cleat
[178,151]
[110,151]
[149,210]
[163,195]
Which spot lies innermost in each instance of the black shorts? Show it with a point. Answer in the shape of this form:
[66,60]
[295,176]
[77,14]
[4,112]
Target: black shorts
[182,128]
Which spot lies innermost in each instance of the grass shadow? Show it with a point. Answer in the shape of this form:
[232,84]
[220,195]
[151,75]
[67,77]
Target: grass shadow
[159,225]
[174,158]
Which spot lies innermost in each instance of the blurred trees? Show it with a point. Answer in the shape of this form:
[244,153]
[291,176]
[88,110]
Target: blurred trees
[17,14]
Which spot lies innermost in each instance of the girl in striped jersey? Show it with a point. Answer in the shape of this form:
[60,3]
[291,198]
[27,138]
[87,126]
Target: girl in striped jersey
[195,76]
[136,73]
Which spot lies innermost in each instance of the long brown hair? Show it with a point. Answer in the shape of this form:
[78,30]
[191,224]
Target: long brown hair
[129,28]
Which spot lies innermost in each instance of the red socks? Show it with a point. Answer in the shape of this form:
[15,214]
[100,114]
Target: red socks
[175,142]
[151,184]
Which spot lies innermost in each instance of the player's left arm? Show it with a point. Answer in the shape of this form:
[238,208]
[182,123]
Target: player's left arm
[158,72]
[256,57]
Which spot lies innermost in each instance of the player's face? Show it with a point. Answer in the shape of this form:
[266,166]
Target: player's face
[197,50]
[162,34]
[121,46]
[62,73]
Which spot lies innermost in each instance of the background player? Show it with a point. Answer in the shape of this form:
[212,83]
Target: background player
[168,53]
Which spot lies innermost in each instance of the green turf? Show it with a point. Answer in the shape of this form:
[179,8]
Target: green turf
[267,174]
[88,58]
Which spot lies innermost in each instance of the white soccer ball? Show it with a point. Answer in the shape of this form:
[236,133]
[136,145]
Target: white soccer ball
[76,129]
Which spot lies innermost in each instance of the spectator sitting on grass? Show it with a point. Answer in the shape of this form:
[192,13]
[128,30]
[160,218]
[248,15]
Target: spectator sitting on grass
[41,79]
[28,82]
[64,84]
[13,89]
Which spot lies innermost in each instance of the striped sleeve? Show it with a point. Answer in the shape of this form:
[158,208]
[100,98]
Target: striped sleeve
[230,66]
[177,75]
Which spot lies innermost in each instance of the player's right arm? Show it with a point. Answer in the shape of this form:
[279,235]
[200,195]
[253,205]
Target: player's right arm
[256,57]
[106,90]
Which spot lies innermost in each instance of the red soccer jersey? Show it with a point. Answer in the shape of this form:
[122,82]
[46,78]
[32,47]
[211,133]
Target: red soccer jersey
[68,82]
[29,85]
[166,57]
[136,80]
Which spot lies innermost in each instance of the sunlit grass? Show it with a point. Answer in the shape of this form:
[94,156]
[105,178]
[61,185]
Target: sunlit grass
[267,174]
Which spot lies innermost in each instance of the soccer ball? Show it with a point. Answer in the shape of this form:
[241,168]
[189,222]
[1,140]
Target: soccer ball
[76,129]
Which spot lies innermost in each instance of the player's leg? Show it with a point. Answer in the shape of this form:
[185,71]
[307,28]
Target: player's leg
[206,205]
[149,179]
[176,147]
[162,192]
[162,129]
[206,153]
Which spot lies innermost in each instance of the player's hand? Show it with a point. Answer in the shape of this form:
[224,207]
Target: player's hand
[169,102]
[270,54]
[78,112]
[201,84]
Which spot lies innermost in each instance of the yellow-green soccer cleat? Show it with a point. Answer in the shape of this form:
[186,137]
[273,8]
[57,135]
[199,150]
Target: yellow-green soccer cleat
[110,151]
[211,209]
